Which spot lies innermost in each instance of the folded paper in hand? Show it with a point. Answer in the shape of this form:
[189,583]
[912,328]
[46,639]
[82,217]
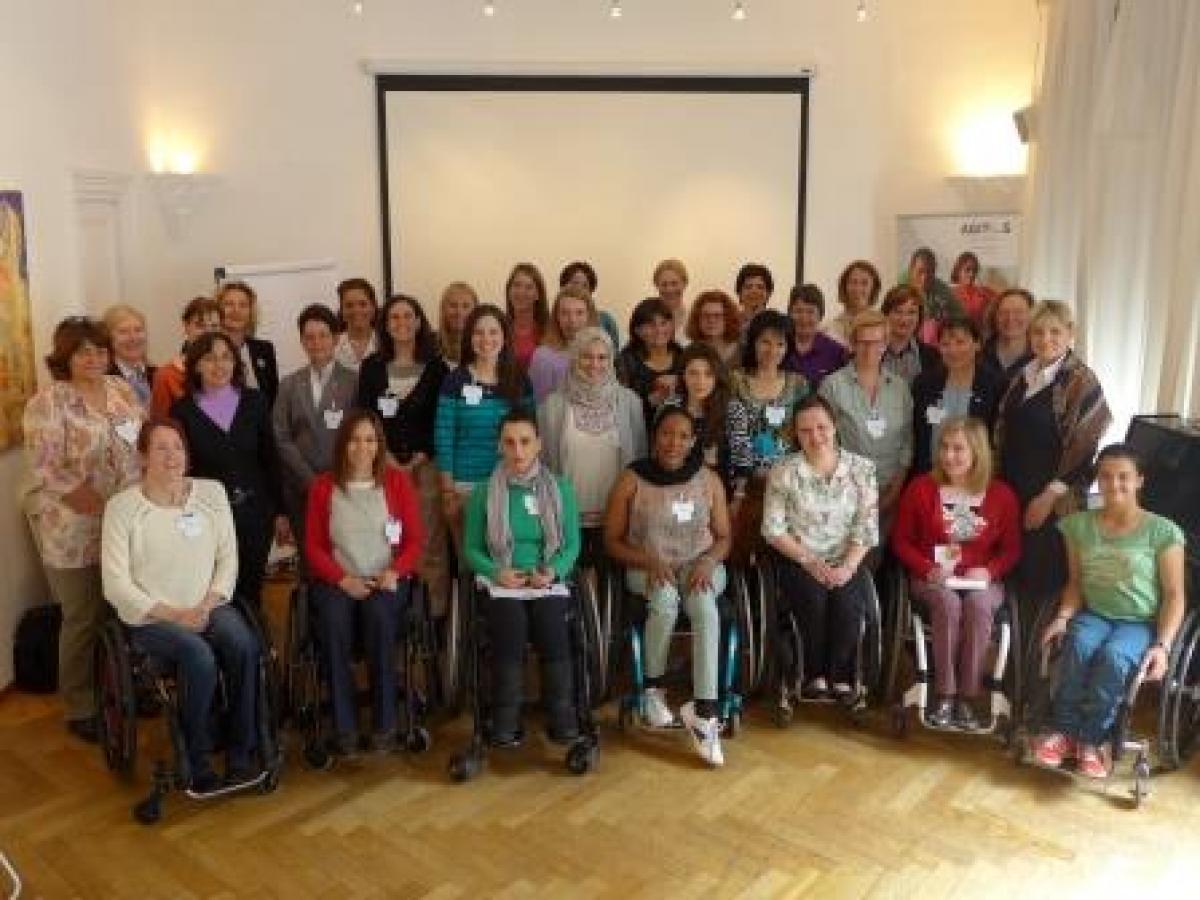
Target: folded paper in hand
[558,589]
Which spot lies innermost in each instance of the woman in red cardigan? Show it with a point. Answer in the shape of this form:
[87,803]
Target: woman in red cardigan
[958,522]
[362,539]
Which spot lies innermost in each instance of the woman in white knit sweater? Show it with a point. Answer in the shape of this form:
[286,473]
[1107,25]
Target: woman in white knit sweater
[169,561]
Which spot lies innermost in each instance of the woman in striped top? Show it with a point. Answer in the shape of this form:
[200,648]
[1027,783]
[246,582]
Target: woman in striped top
[472,401]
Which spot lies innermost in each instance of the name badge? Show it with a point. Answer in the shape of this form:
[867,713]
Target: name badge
[531,504]
[333,419]
[876,425]
[392,529]
[387,407]
[947,555]
[775,415]
[188,524]
[472,393]
[683,510]
[935,415]
[127,430]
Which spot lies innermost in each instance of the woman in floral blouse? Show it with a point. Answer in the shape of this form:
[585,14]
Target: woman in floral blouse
[80,439]
[821,515]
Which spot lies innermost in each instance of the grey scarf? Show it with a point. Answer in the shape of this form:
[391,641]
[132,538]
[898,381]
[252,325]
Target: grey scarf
[549,502]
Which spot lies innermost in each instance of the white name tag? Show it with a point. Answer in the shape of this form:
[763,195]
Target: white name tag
[775,415]
[387,407]
[683,510]
[188,524]
[127,430]
[876,426]
[393,530]
[947,555]
[531,504]
[333,419]
[472,393]
[934,415]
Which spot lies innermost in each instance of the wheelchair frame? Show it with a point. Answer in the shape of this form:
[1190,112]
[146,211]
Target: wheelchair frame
[308,694]
[122,672]
[582,753]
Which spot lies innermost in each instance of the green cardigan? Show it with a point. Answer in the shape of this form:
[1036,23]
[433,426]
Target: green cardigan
[526,530]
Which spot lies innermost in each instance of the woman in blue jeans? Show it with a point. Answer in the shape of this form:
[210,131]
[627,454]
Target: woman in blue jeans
[181,613]
[1122,607]
[362,536]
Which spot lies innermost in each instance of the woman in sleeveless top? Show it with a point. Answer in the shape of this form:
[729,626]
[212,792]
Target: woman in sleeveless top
[668,524]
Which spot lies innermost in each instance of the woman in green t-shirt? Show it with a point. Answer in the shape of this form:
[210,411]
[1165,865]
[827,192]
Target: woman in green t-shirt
[1123,603]
[522,532]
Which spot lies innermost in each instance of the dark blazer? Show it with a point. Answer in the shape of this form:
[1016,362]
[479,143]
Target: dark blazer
[244,459]
[266,370]
[410,430]
[303,434]
[927,389]
[989,358]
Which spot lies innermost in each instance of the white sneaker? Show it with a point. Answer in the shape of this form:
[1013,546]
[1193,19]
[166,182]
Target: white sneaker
[655,712]
[705,734]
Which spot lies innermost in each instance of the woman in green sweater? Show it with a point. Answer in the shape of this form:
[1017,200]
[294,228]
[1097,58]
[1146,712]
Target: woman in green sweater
[522,533]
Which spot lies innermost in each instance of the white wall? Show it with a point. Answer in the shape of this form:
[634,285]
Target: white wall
[276,104]
[64,77]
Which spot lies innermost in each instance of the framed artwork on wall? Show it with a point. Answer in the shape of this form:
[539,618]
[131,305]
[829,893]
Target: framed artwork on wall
[17,378]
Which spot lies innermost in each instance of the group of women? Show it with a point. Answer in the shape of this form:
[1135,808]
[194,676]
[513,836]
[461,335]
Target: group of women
[951,431]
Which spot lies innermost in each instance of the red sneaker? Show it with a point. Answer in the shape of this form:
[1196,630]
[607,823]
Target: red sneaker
[1092,762]
[1051,749]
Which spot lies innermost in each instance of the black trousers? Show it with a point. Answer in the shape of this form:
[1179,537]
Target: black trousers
[830,619]
[511,621]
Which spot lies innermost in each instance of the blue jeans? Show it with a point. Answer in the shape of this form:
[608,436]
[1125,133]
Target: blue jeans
[1099,656]
[379,615]
[228,642]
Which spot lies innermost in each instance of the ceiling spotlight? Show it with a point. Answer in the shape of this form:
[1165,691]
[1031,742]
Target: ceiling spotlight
[862,10]
[739,12]
[615,10]
[489,9]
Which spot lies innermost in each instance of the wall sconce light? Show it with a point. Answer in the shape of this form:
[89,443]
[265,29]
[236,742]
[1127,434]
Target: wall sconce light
[179,195]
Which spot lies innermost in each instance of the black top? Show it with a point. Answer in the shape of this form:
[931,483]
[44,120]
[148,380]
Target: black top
[633,372]
[1008,374]
[410,429]
[987,389]
[244,459]
[266,371]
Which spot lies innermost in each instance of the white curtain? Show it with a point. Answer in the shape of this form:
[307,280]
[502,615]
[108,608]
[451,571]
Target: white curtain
[1114,207]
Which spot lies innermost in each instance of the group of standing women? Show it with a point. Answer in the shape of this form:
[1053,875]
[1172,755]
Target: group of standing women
[714,435]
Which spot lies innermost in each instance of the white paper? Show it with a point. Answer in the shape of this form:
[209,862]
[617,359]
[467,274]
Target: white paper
[957,583]
[558,589]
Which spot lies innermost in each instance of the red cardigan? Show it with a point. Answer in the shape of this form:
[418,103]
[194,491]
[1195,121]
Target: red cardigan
[920,526]
[402,504]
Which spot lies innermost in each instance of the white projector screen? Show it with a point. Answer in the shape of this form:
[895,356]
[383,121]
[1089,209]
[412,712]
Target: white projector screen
[476,180]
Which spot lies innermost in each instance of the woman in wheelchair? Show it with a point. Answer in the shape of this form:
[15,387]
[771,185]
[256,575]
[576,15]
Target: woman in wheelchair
[181,613]
[522,531]
[1121,609]
[821,515]
[958,534]
[668,523]
[363,534]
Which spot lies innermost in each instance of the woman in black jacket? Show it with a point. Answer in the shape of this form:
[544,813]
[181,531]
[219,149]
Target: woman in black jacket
[230,439]
[961,386]
[239,315]
[400,382]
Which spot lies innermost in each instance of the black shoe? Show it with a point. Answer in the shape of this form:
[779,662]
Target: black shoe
[384,743]
[964,716]
[344,745]
[844,694]
[85,729]
[815,689]
[206,782]
[508,739]
[942,714]
[562,726]
[240,776]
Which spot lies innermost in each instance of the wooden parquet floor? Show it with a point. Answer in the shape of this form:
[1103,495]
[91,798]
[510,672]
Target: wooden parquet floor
[822,809]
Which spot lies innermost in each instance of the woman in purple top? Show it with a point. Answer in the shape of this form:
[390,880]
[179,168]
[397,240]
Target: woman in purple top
[816,354]
[572,312]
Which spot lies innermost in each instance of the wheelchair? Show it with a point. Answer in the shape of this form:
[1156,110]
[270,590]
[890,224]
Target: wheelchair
[910,638]
[735,618]
[129,681]
[1178,712]
[784,671]
[308,676]
[583,752]
[600,607]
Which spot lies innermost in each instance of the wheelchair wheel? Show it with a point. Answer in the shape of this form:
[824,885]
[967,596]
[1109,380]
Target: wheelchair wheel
[742,589]
[453,644]
[1179,705]
[871,650]
[116,702]
[297,632]
[899,634]
[595,637]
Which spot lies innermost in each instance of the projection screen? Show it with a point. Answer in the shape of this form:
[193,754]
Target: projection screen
[480,172]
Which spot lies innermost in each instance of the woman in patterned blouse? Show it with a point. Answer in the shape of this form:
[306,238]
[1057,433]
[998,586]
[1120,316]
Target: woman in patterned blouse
[821,516]
[80,439]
